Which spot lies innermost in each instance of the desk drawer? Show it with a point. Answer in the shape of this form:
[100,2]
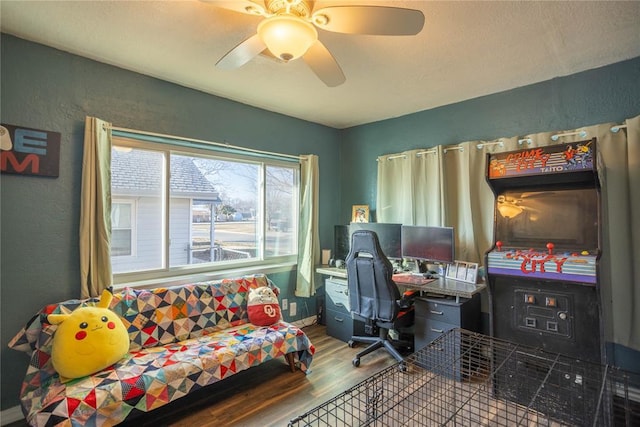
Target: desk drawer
[340,325]
[434,329]
[435,315]
[426,330]
[337,293]
[441,311]
[337,306]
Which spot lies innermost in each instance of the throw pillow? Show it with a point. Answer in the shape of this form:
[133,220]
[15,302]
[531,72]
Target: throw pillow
[88,340]
[263,307]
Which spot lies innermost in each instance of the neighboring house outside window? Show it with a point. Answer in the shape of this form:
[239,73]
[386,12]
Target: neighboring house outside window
[202,212]
[122,223]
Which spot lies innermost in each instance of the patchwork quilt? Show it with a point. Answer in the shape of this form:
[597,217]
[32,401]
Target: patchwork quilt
[182,339]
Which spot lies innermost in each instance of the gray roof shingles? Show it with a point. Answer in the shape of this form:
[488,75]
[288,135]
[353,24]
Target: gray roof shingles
[139,172]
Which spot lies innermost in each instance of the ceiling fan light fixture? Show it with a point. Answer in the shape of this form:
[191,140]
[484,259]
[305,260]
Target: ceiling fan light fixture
[287,37]
[509,210]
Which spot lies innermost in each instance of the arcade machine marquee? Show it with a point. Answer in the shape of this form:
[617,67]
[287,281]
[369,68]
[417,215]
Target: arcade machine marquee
[543,268]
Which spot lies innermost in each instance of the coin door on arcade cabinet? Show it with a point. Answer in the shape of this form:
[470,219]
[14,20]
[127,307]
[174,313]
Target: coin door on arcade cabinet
[543,268]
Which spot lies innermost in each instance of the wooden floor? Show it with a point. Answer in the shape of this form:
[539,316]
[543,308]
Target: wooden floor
[270,394]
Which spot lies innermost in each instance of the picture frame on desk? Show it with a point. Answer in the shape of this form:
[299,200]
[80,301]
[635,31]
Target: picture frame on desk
[452,271]
[360,213]
[463,271]
[472,272]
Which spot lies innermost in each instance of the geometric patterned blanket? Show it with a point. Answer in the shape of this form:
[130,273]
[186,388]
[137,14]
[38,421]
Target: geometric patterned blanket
[182,339]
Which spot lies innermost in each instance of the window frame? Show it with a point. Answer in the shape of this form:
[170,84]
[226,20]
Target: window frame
[168,274]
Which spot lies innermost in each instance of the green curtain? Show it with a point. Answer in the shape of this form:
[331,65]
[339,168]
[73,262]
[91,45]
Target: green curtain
[308,240]
[620,263]
[467,203]
[394,188]
[410,188]
[95,209]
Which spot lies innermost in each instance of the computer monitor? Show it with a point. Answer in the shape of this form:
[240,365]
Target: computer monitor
[389,236]
[341,242]
[431,244]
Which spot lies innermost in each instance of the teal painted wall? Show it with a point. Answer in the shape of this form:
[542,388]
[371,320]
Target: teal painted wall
[47,89]
[608,94]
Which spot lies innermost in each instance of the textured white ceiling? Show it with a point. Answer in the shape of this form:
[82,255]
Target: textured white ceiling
[466,49]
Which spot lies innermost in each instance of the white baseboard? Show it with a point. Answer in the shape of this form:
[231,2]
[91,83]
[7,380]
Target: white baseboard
[11,415]
[307,321]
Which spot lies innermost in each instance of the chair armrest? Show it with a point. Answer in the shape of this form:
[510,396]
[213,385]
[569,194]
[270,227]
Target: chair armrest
[407,299]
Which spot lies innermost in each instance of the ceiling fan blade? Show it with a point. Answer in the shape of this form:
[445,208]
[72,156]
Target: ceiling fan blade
[242,53]
[324,65]
[372,20]
[242,6]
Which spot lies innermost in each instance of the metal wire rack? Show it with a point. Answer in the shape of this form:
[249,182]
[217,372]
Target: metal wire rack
[468,379]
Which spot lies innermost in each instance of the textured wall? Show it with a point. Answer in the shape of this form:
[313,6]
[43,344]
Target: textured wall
[608,94]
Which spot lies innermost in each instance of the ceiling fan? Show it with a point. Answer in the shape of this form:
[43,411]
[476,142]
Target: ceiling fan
[289,31]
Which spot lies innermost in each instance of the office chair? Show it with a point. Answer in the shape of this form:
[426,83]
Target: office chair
[374,297]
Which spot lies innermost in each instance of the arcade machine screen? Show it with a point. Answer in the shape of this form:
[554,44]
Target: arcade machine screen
[568,219]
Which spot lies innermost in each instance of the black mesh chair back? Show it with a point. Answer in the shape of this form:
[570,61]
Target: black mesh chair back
[372,292]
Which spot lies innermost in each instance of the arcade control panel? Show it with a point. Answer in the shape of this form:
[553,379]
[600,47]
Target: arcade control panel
[543,311]
[570,266]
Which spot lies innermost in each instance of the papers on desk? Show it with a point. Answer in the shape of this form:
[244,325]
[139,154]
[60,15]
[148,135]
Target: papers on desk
[411,279]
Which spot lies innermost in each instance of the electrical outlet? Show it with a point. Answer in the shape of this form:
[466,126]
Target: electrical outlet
[285,304]
[293,309]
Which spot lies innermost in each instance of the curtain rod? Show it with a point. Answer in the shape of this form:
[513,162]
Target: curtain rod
[430,151]
[453,148]
[581,134]
[489,144]
[402,156]
[201,141]
[616,128]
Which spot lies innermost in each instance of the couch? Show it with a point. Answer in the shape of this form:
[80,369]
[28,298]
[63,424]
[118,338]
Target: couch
[182,338]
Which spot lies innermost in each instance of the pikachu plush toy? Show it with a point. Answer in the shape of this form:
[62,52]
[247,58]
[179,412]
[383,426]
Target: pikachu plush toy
[87,340]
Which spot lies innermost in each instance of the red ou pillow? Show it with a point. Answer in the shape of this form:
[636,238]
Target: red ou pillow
[263,307]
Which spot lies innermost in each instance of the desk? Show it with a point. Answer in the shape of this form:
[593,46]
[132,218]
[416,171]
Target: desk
[340,273]
[456,304]
[440,286]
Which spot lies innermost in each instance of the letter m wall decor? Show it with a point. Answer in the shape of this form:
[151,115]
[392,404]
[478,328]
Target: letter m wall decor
[26,151]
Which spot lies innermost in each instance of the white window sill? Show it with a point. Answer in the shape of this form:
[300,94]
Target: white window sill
[213,275]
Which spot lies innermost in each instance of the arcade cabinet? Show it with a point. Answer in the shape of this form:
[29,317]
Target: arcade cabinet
[543,268]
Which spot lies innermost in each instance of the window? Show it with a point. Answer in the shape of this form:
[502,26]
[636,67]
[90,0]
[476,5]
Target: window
[190,210]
